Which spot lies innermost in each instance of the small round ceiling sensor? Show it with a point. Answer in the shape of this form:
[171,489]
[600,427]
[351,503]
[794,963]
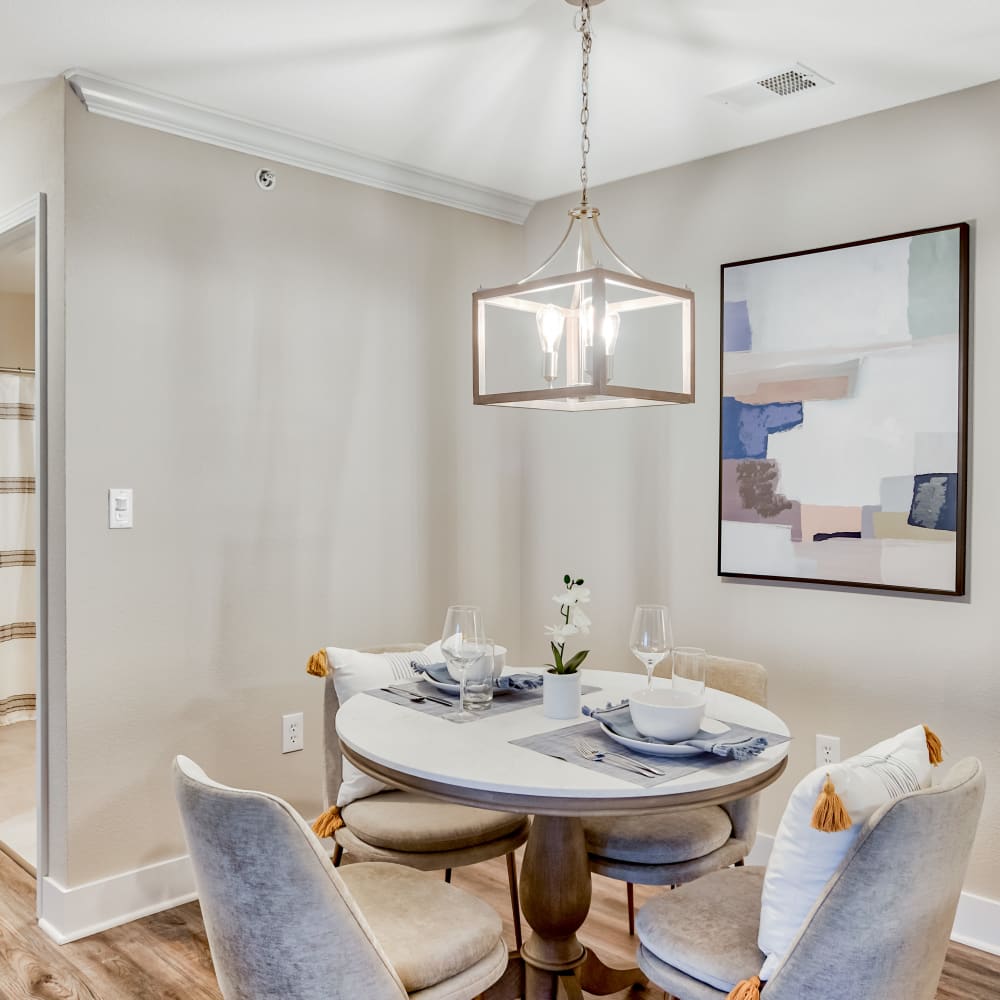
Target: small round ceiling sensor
[266,179]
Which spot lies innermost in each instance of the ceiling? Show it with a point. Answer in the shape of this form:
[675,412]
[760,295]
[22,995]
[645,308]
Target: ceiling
[487,91]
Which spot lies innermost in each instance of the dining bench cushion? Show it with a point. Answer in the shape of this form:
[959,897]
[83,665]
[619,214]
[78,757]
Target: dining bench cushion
[708,928]
[458,931]
[403,821]
[658,838]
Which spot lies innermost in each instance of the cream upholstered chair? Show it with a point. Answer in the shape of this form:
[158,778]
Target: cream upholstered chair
[413,830]
[880,929]
[671,849]
[282,923]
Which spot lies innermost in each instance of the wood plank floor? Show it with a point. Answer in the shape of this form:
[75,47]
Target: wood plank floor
[166,957]
[17,792]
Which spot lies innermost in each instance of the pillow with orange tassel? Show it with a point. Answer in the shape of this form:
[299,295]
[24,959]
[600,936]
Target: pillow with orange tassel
[821,822]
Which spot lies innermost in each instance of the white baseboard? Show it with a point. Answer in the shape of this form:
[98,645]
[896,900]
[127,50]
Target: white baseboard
[70,914]
[977,922]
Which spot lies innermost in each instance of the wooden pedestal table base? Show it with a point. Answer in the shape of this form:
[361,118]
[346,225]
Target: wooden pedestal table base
[555,898]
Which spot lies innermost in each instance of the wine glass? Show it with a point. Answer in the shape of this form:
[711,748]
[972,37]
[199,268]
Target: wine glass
[652,638]
[463,641]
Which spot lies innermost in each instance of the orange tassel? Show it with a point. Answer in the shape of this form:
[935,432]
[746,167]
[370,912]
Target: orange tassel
[934,751]
[318,665]
[328,823]
[830,814]
[749,989]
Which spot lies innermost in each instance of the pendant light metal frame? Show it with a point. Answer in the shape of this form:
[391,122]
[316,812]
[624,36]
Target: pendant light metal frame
[595,391]
[583,396]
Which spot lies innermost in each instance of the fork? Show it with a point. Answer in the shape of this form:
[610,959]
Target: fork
[594,748]
[590,751]
[413,696]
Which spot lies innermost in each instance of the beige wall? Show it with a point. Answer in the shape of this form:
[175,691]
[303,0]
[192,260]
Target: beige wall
[283,378]
[631,503]
[17,330]
[31,161]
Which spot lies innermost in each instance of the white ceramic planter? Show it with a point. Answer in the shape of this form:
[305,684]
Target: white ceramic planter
[561,696]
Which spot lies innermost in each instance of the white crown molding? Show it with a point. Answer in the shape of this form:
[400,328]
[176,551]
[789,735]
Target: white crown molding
[139,106]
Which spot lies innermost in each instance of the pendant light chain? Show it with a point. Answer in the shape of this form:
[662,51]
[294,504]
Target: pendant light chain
[583,316]
[586,42]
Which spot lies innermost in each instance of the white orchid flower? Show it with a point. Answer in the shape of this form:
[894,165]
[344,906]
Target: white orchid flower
[579,618]
[561,632]
[570,598]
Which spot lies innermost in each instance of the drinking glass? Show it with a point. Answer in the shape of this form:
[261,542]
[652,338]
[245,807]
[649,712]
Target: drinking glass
[463,641]
[479,681]
[689,669]
[651,639]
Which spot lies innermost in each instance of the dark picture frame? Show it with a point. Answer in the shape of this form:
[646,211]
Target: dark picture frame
[844,414]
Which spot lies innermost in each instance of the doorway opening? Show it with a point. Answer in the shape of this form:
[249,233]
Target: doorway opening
[22,726]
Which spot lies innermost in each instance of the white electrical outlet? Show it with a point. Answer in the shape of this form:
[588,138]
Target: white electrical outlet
[292,737]
[827,749]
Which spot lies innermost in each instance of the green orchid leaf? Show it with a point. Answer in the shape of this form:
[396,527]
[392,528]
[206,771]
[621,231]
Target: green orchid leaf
[573,664]
[557,656]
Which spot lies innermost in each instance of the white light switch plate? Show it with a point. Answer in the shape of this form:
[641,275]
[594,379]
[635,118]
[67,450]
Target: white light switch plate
[120,508]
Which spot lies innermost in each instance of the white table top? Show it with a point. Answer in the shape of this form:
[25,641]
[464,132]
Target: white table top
[476,762]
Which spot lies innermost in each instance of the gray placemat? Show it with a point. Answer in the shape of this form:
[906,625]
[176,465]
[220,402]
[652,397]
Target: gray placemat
[511,701]
[559,744]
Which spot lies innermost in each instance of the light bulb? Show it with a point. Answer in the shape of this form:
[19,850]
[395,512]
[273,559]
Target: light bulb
[550,322]
[550,327]
[610,329]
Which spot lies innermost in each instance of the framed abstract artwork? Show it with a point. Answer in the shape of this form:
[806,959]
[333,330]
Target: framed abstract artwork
[845,412]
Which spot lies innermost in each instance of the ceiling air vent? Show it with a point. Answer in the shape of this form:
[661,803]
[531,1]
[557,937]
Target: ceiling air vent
[769,89]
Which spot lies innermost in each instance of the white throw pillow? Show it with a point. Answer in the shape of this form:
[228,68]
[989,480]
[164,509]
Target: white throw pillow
[803,859]
[354,672]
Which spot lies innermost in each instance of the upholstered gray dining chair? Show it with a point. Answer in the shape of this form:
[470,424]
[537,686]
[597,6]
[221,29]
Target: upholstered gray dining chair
[413,830]
[282,922]
[879,930]
[671,849]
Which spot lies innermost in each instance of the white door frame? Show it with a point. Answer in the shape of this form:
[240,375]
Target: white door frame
[34,210]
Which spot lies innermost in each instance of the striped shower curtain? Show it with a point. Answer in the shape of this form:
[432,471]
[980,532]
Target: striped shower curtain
[17,548]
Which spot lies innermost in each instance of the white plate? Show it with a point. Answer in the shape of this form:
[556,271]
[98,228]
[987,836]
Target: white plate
[666,749]
[453,687]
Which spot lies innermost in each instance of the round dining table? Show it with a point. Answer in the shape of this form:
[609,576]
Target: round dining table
[475,764]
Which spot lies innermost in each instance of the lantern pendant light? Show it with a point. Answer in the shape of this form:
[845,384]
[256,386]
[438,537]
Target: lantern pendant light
[583,331]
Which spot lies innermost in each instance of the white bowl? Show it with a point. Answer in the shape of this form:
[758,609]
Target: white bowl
[668,715]
[499,662]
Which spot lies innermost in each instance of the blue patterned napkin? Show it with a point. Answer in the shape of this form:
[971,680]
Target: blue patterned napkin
[738,742]
[513,682]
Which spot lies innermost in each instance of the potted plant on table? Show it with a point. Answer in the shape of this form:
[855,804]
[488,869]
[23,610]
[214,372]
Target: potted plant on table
[561,689]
